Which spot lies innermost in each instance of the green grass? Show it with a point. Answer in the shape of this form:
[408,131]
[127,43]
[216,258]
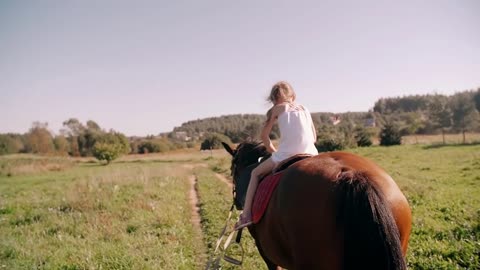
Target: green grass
[442,185]
[123,216]
[135,214]
[216,199]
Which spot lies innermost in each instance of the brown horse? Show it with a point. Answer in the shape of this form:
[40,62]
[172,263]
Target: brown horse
[336,210]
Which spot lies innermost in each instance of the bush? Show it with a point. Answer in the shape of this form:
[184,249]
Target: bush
[390,135]
[156,146]
[330,141]
[148,147]
[106,151]
[327,145]
[110,146]
[363,137]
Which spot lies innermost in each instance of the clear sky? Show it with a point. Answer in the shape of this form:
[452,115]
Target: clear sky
[144,67]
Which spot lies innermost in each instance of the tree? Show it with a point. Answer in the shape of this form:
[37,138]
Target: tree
[476,99]
[81,138]
[439,114]
[390,135]
[346,129]
[39,139]
[252,130]
[73,129]
[61,144]
[10,144]
[93,126]
[414,123]
[464,114]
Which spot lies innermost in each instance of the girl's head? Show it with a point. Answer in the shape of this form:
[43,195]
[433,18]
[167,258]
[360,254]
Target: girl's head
[281,92]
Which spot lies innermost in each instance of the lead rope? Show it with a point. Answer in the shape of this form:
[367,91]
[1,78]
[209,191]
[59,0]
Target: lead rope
[220,251]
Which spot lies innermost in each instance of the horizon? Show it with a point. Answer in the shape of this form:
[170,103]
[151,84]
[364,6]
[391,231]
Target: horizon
[143,68]
[224,115]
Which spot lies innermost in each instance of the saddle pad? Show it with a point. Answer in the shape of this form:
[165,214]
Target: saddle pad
[262,195]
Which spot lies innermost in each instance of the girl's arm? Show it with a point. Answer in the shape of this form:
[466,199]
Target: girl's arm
[272,116]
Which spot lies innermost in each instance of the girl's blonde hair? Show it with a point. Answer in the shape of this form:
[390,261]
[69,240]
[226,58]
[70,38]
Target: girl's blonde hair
[282,90]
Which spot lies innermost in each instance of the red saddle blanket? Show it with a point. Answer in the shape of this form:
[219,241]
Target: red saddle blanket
[262,195]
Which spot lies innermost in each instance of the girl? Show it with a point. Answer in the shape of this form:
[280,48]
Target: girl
[297,137]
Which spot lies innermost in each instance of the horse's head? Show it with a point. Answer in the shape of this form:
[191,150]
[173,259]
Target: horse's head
[244,159]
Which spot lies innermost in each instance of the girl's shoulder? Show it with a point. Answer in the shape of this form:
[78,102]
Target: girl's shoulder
[279,108]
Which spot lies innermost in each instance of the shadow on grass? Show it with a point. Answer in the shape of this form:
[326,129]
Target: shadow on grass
[441,145]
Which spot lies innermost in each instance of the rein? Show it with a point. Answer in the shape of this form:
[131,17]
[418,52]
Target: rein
[224,242]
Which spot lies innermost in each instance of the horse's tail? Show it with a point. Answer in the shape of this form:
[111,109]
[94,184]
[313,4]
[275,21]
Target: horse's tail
[371,237]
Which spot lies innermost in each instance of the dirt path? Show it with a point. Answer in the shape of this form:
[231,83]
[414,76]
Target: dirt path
[193,197]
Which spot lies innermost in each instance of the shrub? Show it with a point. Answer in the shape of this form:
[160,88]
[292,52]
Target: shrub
[330,141]
[390,135]
[110,146]
[327,145]
[362,137]
[156,146]
[106,151]
[148,147]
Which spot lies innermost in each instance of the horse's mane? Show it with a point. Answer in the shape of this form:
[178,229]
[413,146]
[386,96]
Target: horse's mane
[248,152]
[245,159]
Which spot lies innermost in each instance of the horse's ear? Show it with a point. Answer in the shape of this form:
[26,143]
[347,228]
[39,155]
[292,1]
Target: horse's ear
[228,148]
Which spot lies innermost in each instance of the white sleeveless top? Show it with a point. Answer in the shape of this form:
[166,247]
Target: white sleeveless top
[296,135]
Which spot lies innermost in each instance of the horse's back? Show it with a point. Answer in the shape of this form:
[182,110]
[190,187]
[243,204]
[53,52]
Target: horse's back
[302,215]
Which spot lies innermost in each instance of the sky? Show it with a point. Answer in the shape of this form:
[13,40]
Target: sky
[144,67]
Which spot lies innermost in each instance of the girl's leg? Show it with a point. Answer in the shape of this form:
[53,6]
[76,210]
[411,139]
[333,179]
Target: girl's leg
[264,168]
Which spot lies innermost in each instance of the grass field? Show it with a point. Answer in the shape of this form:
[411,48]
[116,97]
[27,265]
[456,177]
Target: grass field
[59,213]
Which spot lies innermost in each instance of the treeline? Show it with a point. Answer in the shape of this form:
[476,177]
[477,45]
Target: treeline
[83,140]
[429,114]
[408,115]
[237,127]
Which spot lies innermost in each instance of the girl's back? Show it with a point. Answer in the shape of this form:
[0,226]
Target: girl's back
[296,134]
